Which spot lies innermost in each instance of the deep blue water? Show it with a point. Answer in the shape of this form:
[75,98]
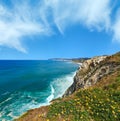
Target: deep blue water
[29,84]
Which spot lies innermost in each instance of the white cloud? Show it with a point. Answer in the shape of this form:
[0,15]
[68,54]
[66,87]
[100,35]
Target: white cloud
[19,22]
[91,13]
[24,19]
[116,27]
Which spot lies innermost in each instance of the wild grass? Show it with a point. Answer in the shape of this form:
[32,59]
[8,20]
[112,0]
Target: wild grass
[100,102]
[95,104]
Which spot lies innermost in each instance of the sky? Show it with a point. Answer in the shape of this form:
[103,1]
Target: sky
[42,29]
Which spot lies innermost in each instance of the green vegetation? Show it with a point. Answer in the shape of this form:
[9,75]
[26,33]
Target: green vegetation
[100,102]
[92,104]
[95,104]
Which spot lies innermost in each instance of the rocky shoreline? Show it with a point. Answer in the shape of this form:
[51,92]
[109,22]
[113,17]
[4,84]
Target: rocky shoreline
[97,70]
[90,72]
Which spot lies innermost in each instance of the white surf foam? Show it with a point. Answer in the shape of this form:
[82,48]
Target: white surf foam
[62,84]
[52,94]
[5,100]
[5,93]
[57,89]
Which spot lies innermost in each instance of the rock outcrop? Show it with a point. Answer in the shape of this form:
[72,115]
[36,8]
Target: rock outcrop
[100,102]
[92,71]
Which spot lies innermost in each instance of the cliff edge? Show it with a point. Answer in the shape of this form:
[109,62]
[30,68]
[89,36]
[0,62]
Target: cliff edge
[94,95]
[92,71]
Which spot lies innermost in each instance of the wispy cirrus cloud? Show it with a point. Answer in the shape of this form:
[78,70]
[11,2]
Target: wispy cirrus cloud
[116,27]
[25,18]
[18,22]
[91,13]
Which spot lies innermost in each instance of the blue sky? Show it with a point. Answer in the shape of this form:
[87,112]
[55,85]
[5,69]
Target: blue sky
[41,29]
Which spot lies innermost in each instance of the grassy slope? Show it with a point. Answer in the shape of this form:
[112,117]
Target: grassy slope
[98,103]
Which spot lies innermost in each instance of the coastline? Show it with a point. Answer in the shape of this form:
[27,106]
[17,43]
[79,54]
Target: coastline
[93,96]
[58,97]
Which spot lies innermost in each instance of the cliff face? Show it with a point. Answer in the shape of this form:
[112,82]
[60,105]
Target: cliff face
[92,71]
[98,103]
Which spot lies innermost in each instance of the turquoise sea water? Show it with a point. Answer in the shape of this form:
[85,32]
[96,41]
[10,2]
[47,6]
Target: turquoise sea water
[30,84]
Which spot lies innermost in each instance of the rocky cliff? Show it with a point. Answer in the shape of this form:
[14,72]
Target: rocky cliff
[92,71]
[94,95]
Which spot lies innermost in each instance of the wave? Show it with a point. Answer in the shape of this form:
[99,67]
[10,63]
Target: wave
[51,97]
[62,84]
[37,90]
[30,100]
[5,93]
[5,100]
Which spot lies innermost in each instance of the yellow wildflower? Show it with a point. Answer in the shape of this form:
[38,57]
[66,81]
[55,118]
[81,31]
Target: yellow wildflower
[113,112]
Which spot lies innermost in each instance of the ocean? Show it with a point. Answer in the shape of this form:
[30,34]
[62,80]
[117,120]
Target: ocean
[26,84]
